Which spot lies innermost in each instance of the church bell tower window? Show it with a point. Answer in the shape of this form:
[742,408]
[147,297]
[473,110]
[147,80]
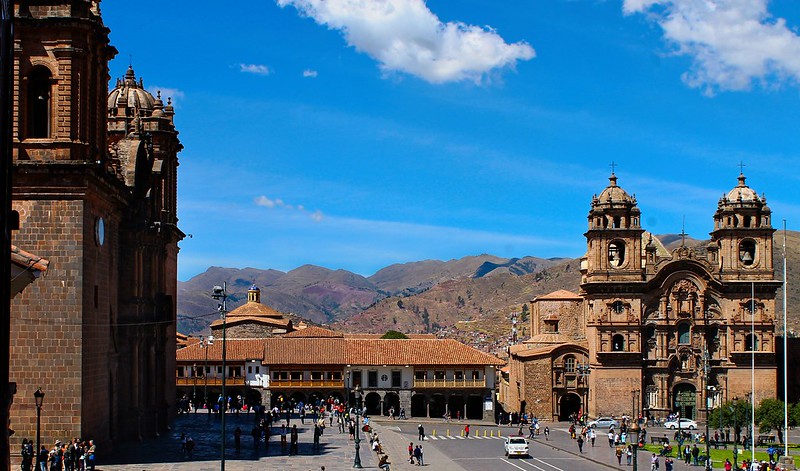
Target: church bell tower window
[39,90]
[747,252]
[616,253]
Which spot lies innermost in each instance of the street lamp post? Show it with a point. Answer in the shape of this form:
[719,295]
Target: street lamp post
[38,396]
[194,386]
[634,430]
[205,343]
[583,372]
[357,459]
[220,293]
[735,437]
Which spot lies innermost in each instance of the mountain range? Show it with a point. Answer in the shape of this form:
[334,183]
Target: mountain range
[471,298]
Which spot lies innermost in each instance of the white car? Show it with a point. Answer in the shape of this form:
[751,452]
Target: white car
[686,424]
[516,446]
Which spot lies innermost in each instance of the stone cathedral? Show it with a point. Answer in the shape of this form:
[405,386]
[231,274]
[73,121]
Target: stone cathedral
[650,331]
[94,182]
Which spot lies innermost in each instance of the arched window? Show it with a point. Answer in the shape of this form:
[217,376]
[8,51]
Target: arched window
[618,343]
[616,253]
[569,364]
[751,343]
[747,252]
[39,91]
[684,333]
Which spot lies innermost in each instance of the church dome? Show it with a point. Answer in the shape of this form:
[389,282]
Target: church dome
[128,93]
[742,192]
[614,193]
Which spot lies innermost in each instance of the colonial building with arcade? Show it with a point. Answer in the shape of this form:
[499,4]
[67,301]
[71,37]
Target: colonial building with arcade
[653,331]
[271,363]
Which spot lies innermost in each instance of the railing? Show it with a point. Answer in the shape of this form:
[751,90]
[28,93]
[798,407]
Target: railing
[449,383]
[200,381]
[306,383]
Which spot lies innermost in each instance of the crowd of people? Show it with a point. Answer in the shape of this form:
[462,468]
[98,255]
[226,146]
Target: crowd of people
[72,455]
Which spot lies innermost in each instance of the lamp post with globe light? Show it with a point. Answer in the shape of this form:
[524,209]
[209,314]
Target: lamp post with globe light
[634,431]
[38,396]
[220,293]
[357,459]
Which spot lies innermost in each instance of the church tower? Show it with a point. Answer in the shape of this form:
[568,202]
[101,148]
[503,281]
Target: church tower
[98,333]
[613,277]
[743,235]
[614,238]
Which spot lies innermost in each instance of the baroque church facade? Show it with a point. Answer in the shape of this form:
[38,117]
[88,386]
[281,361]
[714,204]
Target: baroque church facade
[654,332]
[95,185]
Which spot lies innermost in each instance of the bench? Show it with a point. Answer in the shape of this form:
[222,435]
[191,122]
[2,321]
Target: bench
[659,440]
[765,440]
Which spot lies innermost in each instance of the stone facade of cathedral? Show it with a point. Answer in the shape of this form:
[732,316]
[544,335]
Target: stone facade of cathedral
[659,332]
[94,182]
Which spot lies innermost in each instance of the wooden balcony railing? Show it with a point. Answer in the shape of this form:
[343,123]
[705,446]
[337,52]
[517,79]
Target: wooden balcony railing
[449,383]
[306,383]
[200,381]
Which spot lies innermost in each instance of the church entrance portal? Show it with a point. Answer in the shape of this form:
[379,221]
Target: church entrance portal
[569,404]
[684,400]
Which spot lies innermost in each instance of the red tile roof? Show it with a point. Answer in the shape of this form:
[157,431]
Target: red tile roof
[345,351]
[236,350]
[313,331]
[28,260]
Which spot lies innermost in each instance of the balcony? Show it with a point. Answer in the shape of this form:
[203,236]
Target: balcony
[449,383]
[200,381]
[306,383]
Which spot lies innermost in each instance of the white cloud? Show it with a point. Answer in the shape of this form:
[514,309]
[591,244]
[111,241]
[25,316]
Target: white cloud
[405,36]
[310,73]
[266,202]
[257,69]
[167,94]
[733,43]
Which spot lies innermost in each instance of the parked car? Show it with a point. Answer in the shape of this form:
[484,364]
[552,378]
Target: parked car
[604,423]
[685,424]
[516,446]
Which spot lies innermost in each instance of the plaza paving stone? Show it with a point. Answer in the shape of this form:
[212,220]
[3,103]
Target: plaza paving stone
[336,450]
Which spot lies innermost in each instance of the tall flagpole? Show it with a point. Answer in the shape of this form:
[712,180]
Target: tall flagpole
[785,367]
[753,370]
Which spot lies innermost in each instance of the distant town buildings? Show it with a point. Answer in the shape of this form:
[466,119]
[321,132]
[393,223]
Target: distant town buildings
[270,365]
[95,186]
[654,332]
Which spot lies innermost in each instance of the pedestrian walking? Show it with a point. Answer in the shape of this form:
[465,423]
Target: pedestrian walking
[317,434]
[592,436]
[580,443]
[547,433]
[256,434]
[421,431]
[237,439]
[466,431]
[418,455]
[411,453]
[293,441]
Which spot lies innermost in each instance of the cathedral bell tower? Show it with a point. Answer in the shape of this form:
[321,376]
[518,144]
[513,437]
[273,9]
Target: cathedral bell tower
[743,235]
[614,238]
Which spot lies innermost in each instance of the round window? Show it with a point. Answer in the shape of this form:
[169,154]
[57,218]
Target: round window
[100,231]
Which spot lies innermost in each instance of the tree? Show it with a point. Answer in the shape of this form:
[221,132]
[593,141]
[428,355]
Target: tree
[769,416]
[735,414]
[426,319]
[393,334]
[794,415]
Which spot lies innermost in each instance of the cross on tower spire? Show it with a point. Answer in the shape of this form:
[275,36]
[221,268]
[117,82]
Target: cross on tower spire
[613,167]
[683,232]
[741,167]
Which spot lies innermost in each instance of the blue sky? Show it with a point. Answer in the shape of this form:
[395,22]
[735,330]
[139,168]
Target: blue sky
[355,134]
